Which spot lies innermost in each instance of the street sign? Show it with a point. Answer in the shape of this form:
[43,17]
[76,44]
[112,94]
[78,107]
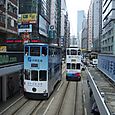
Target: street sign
[3,48]
[26,37]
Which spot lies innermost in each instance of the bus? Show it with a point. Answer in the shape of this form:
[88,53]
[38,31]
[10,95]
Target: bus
[73,64]
[42,69]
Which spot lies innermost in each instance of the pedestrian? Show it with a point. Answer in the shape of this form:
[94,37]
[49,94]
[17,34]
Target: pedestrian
[95,110]
[11,86]
[21,82]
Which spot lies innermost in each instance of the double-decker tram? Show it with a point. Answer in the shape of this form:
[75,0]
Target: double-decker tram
[73,64]
[42,69]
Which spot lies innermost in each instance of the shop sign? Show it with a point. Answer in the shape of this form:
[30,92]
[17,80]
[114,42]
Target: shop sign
[3,49]
[10,58]
[27,18]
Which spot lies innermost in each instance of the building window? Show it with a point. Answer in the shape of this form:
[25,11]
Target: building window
[2,18]
[2,2]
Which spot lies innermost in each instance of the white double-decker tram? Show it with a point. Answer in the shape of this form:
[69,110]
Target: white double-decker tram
[42,69]
[73,64]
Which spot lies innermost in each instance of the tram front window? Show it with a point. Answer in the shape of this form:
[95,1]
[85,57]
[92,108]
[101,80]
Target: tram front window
[68,65]
[42,75]
[73,66]
[73,52]
[27,74]
[68,52]
[34,75]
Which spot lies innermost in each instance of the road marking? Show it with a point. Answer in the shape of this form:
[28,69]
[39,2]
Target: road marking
[59,86]
[11,105]
[84,97]
[48,106]
[85,111]
[82,82]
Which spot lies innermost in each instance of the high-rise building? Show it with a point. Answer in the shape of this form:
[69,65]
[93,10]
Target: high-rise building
[8,22]
[36,15]
[97,25]
[108,27]
[80,18]
[64,27]
[58,21]
[74,41]
[68,34]
[84,37]
[90,26]
[55,21]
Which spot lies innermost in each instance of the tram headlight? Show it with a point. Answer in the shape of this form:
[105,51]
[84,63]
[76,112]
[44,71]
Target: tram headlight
[44,91]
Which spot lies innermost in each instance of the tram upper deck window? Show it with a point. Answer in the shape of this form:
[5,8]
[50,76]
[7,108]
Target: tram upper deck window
[26,50]
[34,51]
[42,75]
[78,66]
[44,51]
[34,75]
[73,52]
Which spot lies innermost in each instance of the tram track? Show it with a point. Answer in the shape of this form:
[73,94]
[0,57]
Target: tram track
[69,103]
[14,106]
[63,97]
[75,108]
[44,107]
[28,108]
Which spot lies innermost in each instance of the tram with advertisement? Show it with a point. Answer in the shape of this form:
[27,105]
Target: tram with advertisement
[42,69]
[73,64]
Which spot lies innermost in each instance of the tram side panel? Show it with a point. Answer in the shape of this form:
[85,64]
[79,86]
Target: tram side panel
[106,64]
[54,67]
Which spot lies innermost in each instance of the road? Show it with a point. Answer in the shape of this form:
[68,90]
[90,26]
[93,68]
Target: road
[68,98]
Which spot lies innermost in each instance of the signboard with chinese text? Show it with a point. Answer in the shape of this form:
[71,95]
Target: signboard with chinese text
[11,58]
[24,28]
[28,18]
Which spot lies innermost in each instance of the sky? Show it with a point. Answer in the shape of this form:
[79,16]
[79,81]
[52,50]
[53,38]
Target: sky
[72,7]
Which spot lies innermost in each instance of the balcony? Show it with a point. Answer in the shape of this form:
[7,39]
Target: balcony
[13,29]
[2,24]
[2,8]
[14,2]
[12,14]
